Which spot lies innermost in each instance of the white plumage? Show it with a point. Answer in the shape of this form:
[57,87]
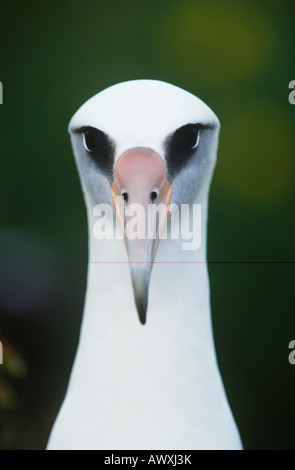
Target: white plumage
[155,386]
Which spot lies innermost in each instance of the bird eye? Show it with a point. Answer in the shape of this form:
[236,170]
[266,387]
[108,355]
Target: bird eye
[90,139]
[181,146]
[190,135]
[100,149]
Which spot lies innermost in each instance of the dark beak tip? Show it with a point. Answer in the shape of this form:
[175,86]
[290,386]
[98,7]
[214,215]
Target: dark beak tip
[140,280]
[142,314]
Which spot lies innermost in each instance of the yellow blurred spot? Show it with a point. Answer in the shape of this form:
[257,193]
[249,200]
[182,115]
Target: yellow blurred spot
[8,397]
[256,159]
[217,41]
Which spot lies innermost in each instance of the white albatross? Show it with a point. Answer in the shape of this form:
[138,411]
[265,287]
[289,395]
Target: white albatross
[156,386]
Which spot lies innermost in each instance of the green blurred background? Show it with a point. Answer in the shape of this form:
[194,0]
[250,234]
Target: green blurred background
[238,57]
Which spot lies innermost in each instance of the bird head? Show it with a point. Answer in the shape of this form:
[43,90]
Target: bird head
[145,143]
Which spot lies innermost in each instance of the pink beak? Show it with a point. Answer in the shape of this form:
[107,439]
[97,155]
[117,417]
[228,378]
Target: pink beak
[141,196]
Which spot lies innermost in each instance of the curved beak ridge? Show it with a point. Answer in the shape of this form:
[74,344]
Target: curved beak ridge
[141,196]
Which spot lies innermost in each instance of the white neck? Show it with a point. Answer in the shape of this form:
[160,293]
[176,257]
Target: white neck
[155,386]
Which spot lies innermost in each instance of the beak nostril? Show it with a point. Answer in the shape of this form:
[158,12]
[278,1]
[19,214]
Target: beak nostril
[124,195]
[153,196]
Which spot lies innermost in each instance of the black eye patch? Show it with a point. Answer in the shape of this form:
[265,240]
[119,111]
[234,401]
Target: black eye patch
[100,149]
[180,146]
